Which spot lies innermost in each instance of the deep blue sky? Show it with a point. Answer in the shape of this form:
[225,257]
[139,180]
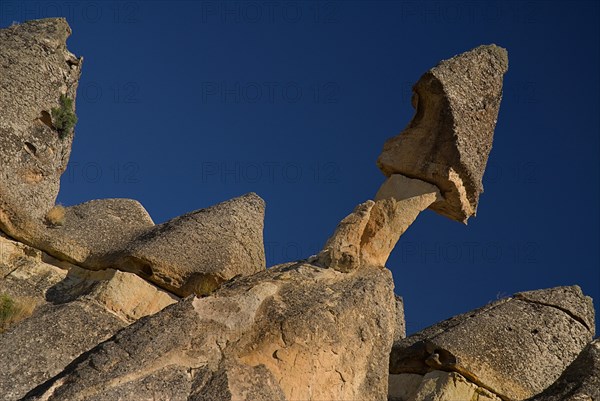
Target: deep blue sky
[185,104]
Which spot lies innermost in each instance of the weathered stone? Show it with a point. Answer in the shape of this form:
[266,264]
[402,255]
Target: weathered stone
[400,331]
[93,231]
[309,332]
[580,381]
[400,187]
[26,272]
[35,70]
[367,236]
[448,141]
[403,386]
[515,347]
[41,346]
[196,252]
[234,382]
[437,386]
[90,233]
[124,294]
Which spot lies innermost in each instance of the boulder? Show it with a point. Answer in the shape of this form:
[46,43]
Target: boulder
[580,381]
[448,141]
[92,232]
[514,347]
[196,252]
[295,331]
[367,236]
[36,69]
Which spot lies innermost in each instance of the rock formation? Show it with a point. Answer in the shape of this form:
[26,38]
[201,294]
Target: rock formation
[90,305]
[448,141]
[514,347]
[35,70]
[197,252]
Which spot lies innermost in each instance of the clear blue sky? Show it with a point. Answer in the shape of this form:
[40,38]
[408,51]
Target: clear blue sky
[185,104]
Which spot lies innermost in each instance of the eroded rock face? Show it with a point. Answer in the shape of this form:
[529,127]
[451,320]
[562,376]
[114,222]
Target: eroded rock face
[436,386]
[35,70]
[367,236]
[448,141]
[196,252]
[295,331]
[73,309]
[581,380]
[515,347]
[93,231]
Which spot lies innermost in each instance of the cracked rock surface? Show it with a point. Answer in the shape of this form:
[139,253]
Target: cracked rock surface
[514,347]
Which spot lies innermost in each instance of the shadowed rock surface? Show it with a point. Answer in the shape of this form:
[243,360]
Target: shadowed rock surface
[448,141]
[581,380]
[514,347]
[196,252]
[35,70]
[320,333]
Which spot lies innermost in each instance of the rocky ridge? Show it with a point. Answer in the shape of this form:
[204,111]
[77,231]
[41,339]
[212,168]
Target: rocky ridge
[99,303]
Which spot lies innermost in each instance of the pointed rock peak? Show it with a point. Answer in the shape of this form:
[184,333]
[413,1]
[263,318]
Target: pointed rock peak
[448,141]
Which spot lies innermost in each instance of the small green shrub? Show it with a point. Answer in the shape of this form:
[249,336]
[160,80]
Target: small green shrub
[63,117]
[13,311]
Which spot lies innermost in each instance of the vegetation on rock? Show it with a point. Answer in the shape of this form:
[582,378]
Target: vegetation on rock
[63,117]
[13,311]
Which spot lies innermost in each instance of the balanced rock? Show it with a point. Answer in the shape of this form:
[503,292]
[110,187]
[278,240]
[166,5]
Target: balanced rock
[292,332]
[36,69]
[196,252]
[448,141]
[367,236]
[581,380]
[515,347]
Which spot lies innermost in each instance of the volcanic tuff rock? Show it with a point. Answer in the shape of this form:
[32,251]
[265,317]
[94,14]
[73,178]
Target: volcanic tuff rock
[367,236]
[93,231]
[296,330]
[320,329]
[581,380]
[197,252]
[436,386]
[515,347]
[448,141]
[35,70]
[73,310]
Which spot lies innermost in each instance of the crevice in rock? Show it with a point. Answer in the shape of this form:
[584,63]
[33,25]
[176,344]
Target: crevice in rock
[46,118]
[568,312]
